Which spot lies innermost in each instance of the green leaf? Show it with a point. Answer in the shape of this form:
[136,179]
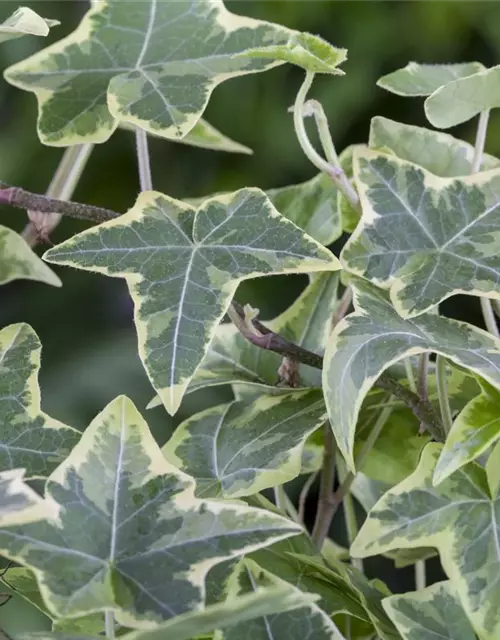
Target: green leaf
[18,261]
[232,359]
[183,267]
[448,236]
[459,518]
[193,624]
[474,430]
[307,621]
[29,438]
[154,64]
[493,470]
[18,502]
[441,154]
[129,534]
[367,342]
[23,583]
[462,99]
[423,79]
[433,612]
[305,50]
[312,206]
[24,21]
[238,449]
[204,136]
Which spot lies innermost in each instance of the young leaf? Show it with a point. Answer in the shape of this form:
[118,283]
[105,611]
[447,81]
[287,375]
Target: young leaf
[367,342]
[474,430]
[447,236]
[423,79]
[153,64]
[310,52]
[464,98]
[24,21]
[183,267]
[18,261]
[29,438]
[441,154]
[459,518]
[204,136]
[312,206]
[434,612]
[18,502]
[238,449]
[307,621]
[129,534]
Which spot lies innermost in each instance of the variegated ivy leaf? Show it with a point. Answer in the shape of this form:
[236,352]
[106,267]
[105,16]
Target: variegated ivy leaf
[441,154]
[29,438]
[183,267]
[25,21]
[18,502]
[367,342]
[307,621]
[447,235]
[18,261]
[204,136]
[423,79]
[459,518]
[151,63]
[462,99]
[196,624]
[129,535]
[433,612]
[242,448]
[312,206]
[474,430]
[232,359]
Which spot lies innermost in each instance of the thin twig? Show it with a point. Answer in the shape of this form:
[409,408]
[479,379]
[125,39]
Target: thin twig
[442,389]
[62,187]
[342,307]
[325,512]
[17,197]
[304,493]
[145,178]
[423,381]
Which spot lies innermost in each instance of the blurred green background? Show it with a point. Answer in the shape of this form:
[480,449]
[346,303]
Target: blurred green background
[89,347]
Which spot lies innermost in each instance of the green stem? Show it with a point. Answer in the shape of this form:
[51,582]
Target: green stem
[412,383]
[442,389]
[145,177]
[420,575]
[109,624]
[351,522]
[489,317]
[62,187]
[280,498]
[304,492]
[331,168]
[342,307]
[326,509]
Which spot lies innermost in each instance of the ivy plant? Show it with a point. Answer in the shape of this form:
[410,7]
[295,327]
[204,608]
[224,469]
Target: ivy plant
[362,383]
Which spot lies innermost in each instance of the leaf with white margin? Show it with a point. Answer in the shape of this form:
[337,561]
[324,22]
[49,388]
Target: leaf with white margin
[263,602]
[423,237]
[29,438]
[312,53]
[23,583]
[154,64]
[368,341]
[307,621]
[129,534]
[461,100]
[203,136]
[438,152]
[474,430]
[18,261]
[433,612]
[423,79]
[312,206]
[241,448]
[459,518]
[183,267]
[19,504]
[25,21]
[232,359]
